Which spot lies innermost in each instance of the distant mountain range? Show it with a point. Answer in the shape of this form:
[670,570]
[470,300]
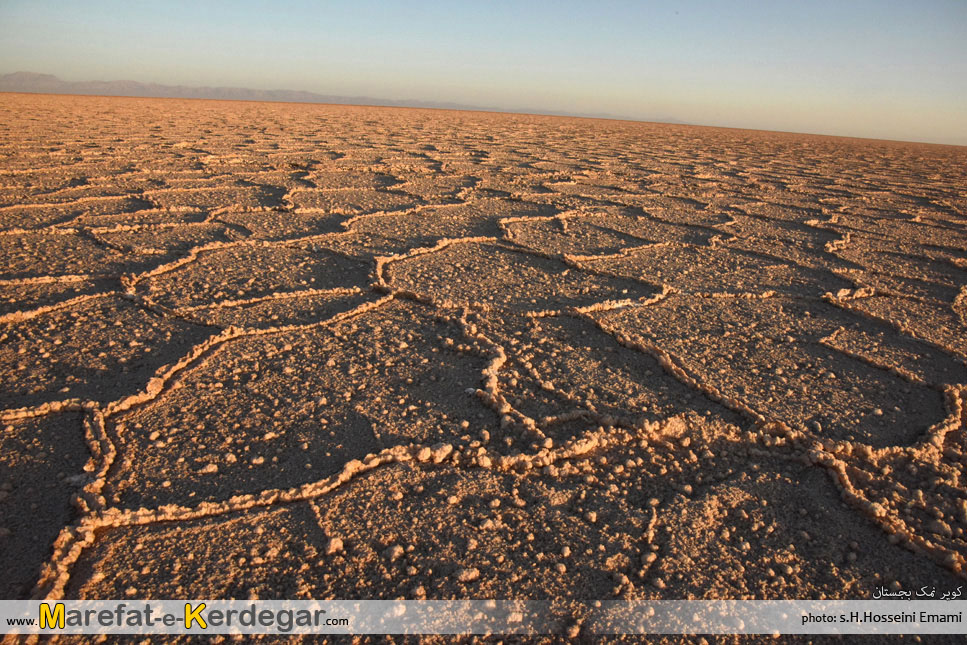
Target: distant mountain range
[50,84]
[30,82]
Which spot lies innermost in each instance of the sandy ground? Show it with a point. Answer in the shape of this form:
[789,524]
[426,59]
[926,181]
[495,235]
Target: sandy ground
[298,351]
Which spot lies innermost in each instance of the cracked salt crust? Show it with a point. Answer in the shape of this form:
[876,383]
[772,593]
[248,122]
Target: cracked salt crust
[455,355]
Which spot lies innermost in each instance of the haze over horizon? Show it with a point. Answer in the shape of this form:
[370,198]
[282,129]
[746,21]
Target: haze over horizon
[886,70]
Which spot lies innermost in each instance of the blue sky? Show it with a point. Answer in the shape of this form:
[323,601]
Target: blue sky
[880,69]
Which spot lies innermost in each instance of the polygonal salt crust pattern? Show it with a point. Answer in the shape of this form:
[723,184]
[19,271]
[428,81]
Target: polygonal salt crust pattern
[280,411]
[223,274]
[767,352]
[100,349]
[503,278]
[415,353]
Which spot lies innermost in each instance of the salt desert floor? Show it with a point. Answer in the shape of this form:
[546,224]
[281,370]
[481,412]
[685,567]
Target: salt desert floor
[299,351]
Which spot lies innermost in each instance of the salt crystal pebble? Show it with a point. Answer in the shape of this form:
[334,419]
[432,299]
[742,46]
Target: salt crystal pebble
[939,527]
[441,451]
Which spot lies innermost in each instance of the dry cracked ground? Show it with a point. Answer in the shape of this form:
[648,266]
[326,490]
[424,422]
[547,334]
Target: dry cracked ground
[290,351]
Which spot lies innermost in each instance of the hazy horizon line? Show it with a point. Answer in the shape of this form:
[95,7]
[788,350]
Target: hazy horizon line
[287,95]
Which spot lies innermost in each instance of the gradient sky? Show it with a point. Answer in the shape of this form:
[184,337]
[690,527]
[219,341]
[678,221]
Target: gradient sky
[883,69]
